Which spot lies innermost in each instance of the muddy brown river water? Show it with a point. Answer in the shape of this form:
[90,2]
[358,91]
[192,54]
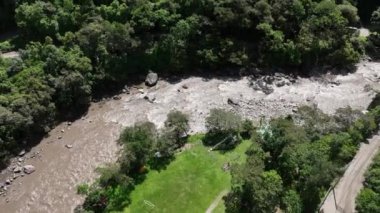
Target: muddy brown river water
[52,187]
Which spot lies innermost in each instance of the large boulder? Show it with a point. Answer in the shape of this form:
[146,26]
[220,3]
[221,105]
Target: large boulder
[151,79]
[29,169]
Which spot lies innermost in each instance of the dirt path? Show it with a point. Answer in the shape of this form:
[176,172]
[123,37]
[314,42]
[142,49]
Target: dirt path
[216,201]
[12,54]
[52,187]
[352,180]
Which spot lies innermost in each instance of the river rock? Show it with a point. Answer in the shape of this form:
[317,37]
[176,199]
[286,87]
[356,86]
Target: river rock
[22,153]
[29,169]
[268,79]
[17,169]
[150,98]
[117,97]
[151,79]
[267,90]
[233,101]
[280,83]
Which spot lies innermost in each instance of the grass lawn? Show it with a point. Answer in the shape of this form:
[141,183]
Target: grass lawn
[189,184]
[220,208]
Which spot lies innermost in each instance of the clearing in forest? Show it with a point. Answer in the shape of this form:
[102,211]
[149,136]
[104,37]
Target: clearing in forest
[190,183]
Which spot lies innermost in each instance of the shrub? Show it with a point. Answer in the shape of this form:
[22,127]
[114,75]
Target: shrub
[96,200]
[342,147]
[177,123]
[83,189]
[138,142]
[6,46]
[223,127]
[247,129]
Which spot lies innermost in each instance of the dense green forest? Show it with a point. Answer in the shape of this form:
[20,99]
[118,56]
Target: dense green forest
[294,160]
[368,199]
[73,49]
[7,10]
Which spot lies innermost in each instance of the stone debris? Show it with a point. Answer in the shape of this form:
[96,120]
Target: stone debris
[17,169]
[116,97]
[233,101]
[22,153]
[265,83]
[150,98]
[69,146]
[29,169]
[151,79]
[126,90]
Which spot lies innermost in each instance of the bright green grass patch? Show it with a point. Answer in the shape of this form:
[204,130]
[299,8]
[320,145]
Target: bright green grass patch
[189,184]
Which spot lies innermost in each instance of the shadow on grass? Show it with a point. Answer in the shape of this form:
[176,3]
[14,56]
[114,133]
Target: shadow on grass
[160,164]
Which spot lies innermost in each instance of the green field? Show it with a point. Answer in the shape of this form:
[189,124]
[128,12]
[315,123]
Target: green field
[189,184]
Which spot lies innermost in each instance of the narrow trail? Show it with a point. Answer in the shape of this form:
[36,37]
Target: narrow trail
[12,54]
[216,201]
[352,181]
[52,187]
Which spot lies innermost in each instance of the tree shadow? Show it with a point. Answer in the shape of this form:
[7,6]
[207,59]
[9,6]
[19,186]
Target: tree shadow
[160,164]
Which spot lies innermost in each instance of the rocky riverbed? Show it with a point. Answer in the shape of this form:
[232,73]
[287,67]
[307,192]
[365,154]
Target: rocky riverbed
[71,151]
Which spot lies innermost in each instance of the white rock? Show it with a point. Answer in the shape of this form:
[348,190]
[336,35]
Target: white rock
[28,169]
[22,153]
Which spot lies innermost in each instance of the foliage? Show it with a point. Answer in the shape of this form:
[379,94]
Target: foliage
[79,48]
[303,154]
[178,123]
[224,126]
[368,199]
[291,202]
[138,141]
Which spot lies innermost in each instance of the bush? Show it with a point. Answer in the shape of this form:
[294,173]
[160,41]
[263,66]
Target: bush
[223,127]
[368,201]
[6,46]
[342,147]
[96,200]
[247,129]
[177,123]
[83,189]
[138,142]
